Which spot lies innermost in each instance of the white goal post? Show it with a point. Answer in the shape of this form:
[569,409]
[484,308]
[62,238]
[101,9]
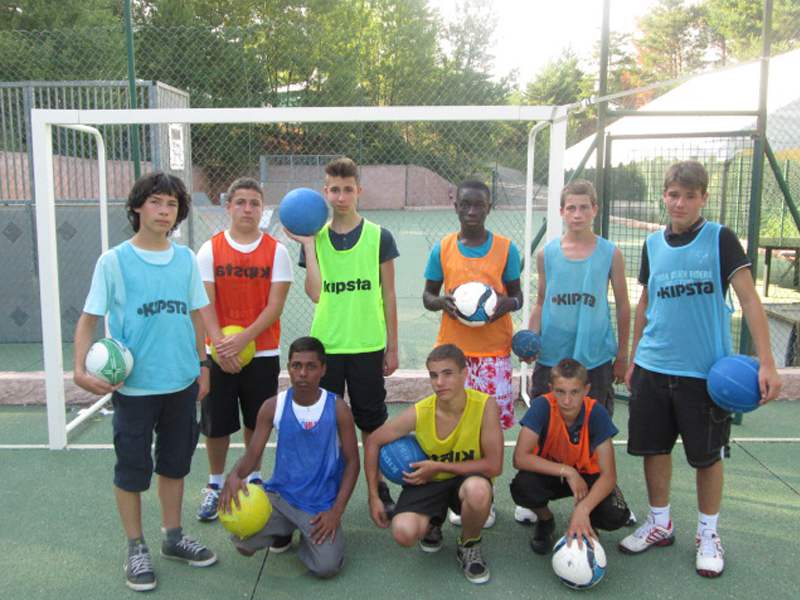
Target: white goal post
[44,120]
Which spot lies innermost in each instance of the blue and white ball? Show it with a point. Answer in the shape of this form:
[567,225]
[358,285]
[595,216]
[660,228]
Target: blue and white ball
[475,302]
[579,568]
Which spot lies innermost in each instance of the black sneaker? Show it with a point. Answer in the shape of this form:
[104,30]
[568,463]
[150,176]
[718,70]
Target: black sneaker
[542,538]
[432,542]
[386,498]
[139,575]
[280,544]
[189,551]
[472,562]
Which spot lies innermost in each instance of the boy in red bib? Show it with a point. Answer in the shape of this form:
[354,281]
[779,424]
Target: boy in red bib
[564,449]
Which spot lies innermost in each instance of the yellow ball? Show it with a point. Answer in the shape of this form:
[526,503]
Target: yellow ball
[247,353]
[254,513]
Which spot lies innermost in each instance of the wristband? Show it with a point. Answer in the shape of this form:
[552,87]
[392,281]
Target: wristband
[206,362]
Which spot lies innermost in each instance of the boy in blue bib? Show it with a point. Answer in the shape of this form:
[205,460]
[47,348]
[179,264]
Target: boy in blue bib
[682,328]
[150,288]
[316,465]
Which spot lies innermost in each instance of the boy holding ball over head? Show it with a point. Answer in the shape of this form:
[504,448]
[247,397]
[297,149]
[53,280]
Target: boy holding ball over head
[151,290]
[682,328]
[565,449]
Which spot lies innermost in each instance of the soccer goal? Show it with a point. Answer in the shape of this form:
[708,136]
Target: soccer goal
[46,122]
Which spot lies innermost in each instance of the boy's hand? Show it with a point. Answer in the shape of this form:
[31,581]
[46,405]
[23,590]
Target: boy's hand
[629,375]
[423,472]
[377,512]
[620,369]
[203,383]
[325,526]
[390,362]
[302,239]
[92,384]
[229,364]
[579,526]
[230,492]
[505,304]
[577,484]
[769,382]
[230,346]
[448,304]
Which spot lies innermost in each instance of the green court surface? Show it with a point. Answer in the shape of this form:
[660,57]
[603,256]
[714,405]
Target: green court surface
[61,537]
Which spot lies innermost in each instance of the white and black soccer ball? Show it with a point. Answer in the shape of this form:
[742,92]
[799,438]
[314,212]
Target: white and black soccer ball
[109,360]
[475,302]
[579,568]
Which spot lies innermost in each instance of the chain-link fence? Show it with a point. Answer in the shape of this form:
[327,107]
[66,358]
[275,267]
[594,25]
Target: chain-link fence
[409,170]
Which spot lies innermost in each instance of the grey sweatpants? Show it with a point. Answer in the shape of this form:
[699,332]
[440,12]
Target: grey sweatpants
[323,560]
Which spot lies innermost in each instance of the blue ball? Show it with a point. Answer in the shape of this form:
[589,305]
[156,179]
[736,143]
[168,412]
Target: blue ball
[526,343]
[303,211]
[733,383]
[397,456]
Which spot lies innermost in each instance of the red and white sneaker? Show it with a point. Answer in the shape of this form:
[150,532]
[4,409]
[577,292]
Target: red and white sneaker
[709,561]
[647,536]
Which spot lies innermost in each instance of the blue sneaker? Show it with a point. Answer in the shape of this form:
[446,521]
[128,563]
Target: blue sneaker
[208,508]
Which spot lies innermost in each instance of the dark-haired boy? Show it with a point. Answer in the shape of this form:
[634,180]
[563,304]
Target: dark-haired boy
[152,293]
[459,431]
[358,326]
[247,274]
[682,328]
[476,254]
[316,464]
[564,449]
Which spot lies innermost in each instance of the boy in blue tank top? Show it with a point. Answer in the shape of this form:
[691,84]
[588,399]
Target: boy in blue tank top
[682,327]
[316,465]
[571,313]
[150,288]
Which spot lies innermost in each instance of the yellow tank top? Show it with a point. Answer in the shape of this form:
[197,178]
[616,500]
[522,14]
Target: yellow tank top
[463,443]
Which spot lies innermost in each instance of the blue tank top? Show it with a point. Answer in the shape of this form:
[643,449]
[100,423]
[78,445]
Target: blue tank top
[156,323]
[688,322]
[576,320]
[308,466]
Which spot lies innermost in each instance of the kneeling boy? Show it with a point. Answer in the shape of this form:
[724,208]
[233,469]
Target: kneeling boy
[564,449]
[459,431]
[316,465]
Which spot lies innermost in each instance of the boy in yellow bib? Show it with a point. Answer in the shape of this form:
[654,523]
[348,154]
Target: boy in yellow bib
[459,431]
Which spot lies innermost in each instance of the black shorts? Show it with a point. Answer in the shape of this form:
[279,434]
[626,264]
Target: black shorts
[601,379]
[534,490]
[434,498]
[247,389]
[665,406]
[363,375]
[173,417]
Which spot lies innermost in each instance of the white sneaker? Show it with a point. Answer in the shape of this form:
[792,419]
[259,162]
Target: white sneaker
[647,536]
[524,515]
[456,519]
[709,561]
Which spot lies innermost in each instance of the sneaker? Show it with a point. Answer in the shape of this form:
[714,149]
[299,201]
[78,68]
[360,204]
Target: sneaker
[709,561]
[386,497]
[646,536]
[541,540]
[280,544]
[472,562]
[189,551]
[524,515]
[139,575]
[631,519]
[455,519]
[432,542]
[208,508]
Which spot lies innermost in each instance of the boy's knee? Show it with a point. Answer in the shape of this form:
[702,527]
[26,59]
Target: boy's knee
[404,531]
[327,570]
[477,492]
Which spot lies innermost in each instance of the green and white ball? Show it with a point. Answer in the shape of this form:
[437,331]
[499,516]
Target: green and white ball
[109,360]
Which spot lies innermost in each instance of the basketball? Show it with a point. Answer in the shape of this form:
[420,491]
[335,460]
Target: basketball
[109,360]
[303,211]
[579,568]
[397,456]
[247,353]
[526,343]
[733,383]
[475,303]
[254,512]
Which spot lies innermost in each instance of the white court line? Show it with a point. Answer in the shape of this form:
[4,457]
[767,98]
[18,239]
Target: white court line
[507,444]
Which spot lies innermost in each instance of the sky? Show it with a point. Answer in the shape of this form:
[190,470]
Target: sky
[530,33]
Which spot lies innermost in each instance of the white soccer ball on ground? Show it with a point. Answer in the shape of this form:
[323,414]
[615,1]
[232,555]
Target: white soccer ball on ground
[579,568]
[109,360]
[475,302]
